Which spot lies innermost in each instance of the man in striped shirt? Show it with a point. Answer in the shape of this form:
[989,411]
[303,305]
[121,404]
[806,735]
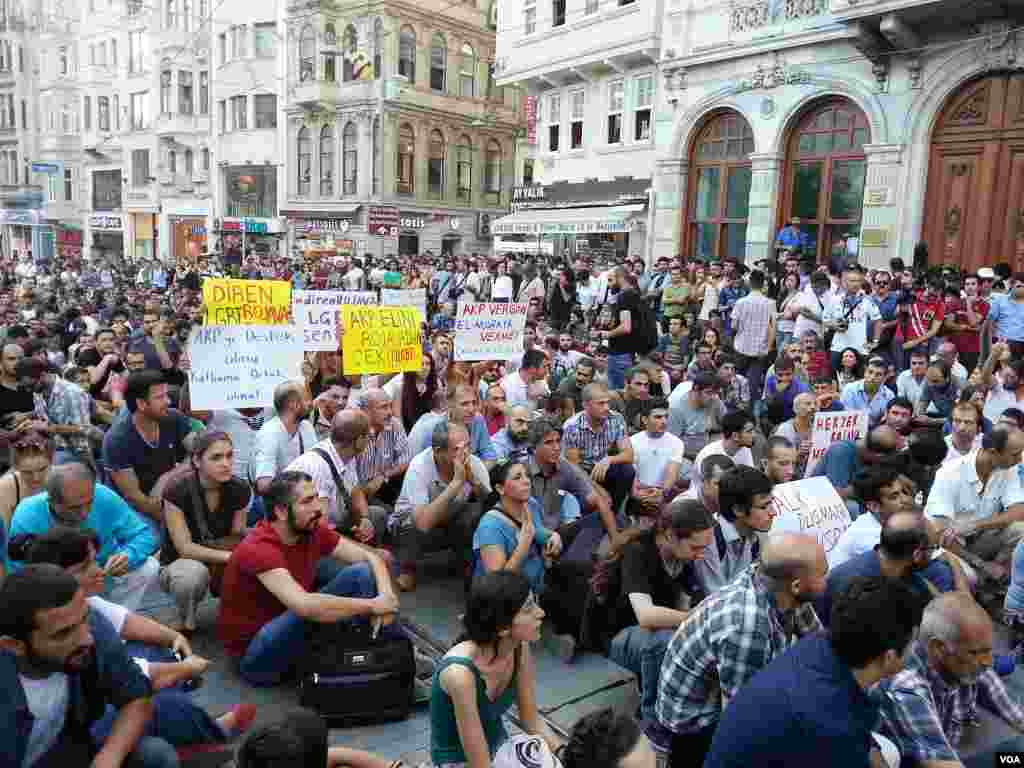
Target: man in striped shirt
[381,466]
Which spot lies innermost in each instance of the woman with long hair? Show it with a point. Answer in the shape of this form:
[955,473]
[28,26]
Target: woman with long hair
[562,299]
[488,671]
[851,367]
[32,455]
[417,392]
[207,507]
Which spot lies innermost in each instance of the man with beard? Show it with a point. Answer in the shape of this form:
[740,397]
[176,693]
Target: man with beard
[626,317]
[899,415]
[67,409]
[284,438]
[513,442]
[333,399]
[16,404]
[733,635]
[62,665]
[268,582]
[946,675]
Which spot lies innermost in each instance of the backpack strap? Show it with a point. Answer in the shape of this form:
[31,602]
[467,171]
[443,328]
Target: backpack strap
[339,486]
[720,542]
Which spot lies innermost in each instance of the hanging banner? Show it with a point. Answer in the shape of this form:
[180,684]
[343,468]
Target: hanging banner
[236,366]
[810,506]
[489,331]
[317,315]
[381,339]
[246,302]
[831,428]
[411,297]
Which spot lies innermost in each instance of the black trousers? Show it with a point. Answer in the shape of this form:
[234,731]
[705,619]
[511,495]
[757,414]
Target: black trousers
[690,749]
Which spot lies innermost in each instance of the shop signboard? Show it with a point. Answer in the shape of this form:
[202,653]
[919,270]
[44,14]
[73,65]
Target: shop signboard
[412,221]
[101,221]
[382,221]
[530,109]
[536,228]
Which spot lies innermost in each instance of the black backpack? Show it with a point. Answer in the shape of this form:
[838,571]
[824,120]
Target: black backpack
[645,332]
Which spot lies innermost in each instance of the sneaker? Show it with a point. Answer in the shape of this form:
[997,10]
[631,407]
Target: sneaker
[566,648]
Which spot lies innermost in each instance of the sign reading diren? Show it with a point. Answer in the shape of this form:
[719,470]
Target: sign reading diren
[246,302]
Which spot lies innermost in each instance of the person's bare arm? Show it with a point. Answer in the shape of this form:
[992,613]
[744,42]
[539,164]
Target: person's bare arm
[625,326]
[526,699]
[651,616]
[460,685]
[127,483]
[128,728]
[315,606]
[181,537]
[337,757]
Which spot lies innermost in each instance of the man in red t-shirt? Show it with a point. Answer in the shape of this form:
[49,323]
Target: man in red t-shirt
[267,589]
[924,316]
[964,318]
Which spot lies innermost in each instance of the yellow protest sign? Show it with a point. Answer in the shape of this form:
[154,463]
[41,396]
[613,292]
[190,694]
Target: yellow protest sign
[246,302]
[381,339]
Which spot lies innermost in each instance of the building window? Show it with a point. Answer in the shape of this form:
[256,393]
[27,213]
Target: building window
[330,74]
[265,106]
[554,121]
[264,40]
[557,13]
[113,54]
[467,74]
[435,166]
[222,44]
[330,36]
[375,149]
[172,162]
[239,113]
[86,112]
[206,159]
[186,15]
[644,101]
[464,170]
[492,172]
[307,54]
[326,161]
[5,57]
[305,157]
[438,62]
[103,113]
[527,171]
[616,90]
[188,163]
[165,92]
[349,46]
[591,7]
[139,110]
[349,159]
[406,157]
[24,115]
[134,7]
[529,17]
[99,54]
[222,108]
[378,48]
[577,105]
[117,112]
[185,106]
[407,54]
[69,187]
[172,14]
[62,60]
[140,167]
[238,46]
[204,93]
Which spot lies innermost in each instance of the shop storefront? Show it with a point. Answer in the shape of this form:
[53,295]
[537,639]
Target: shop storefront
[145,228]
[69,242]
[260,236]
[106,235]
[315,233]
[184,230]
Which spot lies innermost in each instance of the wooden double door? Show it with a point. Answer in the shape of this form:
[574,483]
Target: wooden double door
[974,213]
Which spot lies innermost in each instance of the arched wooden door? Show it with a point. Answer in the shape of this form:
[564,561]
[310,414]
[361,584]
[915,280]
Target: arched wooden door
[825,172]
[974,209]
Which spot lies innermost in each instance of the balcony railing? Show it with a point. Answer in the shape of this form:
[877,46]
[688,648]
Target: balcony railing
[750,17]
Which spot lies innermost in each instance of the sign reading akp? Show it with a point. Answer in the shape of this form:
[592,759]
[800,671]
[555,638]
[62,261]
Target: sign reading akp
[489,331]
[381,339]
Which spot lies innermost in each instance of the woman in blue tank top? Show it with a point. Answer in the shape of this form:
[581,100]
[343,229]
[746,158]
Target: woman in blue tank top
[490,669]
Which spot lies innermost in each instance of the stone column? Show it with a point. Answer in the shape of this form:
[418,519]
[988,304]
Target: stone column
[670,178]
[883,191]
[764,198]
[364,156]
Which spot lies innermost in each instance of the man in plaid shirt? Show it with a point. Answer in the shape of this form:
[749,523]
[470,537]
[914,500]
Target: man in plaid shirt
[731,636]
[926,706]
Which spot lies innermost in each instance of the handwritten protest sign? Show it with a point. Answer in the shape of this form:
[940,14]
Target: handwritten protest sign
[411,297]
[810,506]
[830,428]
[381,339]
[238,366]
[489,331]
[318,313]
[246,302]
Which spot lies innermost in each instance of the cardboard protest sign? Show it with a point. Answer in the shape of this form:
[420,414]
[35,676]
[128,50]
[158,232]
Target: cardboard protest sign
[410,297]
[830,428]
[489,331]
[810,506]
[318,313]
[238,366]
[381,339]
[246,302]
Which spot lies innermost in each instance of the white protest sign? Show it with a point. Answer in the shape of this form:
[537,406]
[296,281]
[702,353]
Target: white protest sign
[830,428]
[489,331]
[810,506]
[238,366]
[409,297]
[318,313]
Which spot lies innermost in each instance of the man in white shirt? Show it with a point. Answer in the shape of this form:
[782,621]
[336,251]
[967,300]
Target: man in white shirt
[284,438]
[658,457]
[966,433]
[911,381]
[850,313]
[1005,388]
[737,439]
[810,305]
[521,387]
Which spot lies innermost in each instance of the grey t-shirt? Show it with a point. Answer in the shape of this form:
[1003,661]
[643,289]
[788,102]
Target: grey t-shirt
[694,425]
[569,478]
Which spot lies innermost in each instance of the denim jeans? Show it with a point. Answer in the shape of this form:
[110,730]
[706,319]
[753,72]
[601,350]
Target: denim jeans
[176,721]
[641,652]
[617,366]
[279,644]
[150,752]
[1014,604]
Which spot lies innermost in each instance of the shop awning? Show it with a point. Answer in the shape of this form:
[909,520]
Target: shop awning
[568,221]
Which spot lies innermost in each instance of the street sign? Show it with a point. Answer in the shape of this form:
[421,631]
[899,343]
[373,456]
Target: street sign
[50,169]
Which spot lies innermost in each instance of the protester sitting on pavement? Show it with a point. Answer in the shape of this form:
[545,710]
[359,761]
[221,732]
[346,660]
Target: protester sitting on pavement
[74,498]
[658,457]
[62,665]
[163,655]
[207,505]
[606,739]
[512,442]
[268,582]
[486,672]
[571,386]
[844,459]
[332,399]
[737,439]
[66,406]
[870,393]
[707,491]
[813,700]
[283,438]
[32,457]
[463,403]
[731,636]
[899,414]
[651,589]
[440,502]
[965,436]
[696,412]
[780,390]
[141,450]
[383,462]
[946,675]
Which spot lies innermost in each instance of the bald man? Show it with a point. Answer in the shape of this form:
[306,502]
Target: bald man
[731,636]
[513,441]
[844,459]
[946,675]
[382,464]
